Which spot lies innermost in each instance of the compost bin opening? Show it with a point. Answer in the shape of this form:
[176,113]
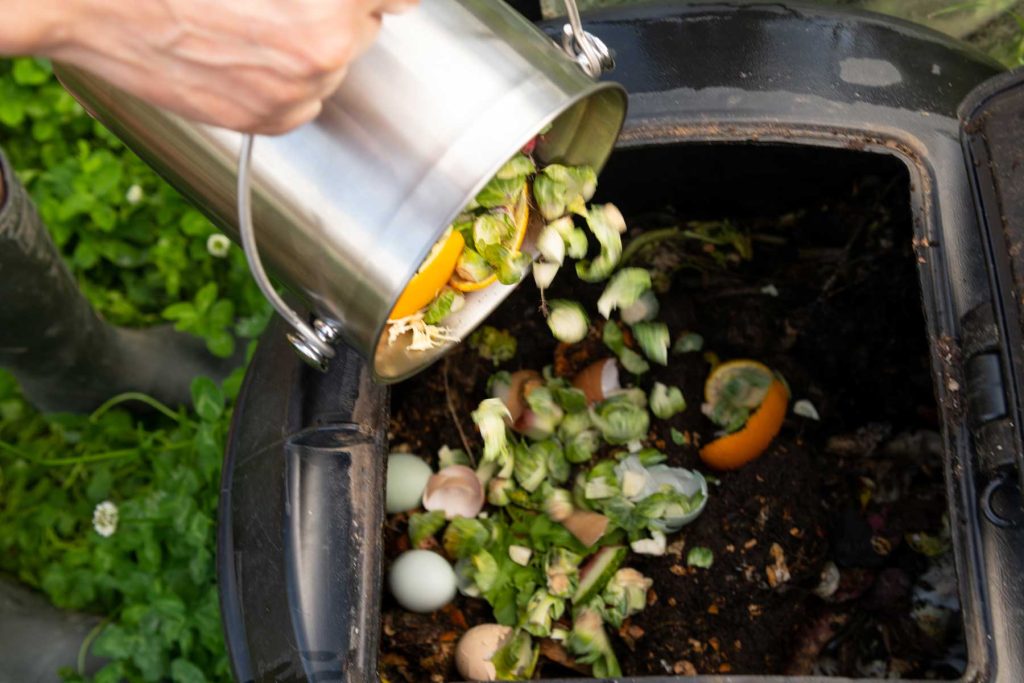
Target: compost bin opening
[831,553]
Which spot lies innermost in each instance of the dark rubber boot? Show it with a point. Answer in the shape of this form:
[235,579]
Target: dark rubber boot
[37,639]
[64,356]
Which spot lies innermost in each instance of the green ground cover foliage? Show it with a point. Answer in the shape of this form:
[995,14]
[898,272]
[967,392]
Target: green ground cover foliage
[139,252]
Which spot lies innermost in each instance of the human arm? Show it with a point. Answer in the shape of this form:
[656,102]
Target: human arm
[261,66]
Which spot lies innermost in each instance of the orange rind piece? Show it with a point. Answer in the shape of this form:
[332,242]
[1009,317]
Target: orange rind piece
[737,449]
[426,284]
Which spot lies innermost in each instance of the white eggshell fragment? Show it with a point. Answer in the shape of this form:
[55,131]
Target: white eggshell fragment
[407,477]
[422,581]
[476,648]
[456,490]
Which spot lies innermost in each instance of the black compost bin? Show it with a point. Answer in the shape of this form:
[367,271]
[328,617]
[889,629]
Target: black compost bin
[734,109]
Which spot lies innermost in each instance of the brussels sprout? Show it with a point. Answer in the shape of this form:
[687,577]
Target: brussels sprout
[620,420]
[666,401]
[650,456]
[688,342]
[423,525]
[558,504]
[491,229]
[653,339]
[472,266]
[490,419]
[542,609]
[494,345]
[568,321]
[520,554]
[645,308]
[655,545]
[550,194]
[551,245]
[623,289]
[531,467]
[585,179]
[447,457]
[516,659]
[634,479]
[562,571]
[607,225]
[517,167]
[464,536]
[667,498]
[602,481]
[624,595]
[485,570]
[500,192]
[510,267]
[600,487]
[571,399]
[541,421]
[544,274]
[628,358]
[542,402]
[498,491]
[589,644]
[558,466]
[572,424]
[575,239]
[699,556]
[558,189]
[634,395]
[577,244]
[448,301]
[582,446]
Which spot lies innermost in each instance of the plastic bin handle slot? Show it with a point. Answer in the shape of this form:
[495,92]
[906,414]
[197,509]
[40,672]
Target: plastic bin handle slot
[333,551]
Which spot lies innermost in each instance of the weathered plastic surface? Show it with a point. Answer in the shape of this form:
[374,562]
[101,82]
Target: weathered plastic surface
[993,350]
[728,73]
[302,504]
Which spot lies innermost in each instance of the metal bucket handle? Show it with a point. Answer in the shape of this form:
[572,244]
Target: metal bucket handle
[314,342]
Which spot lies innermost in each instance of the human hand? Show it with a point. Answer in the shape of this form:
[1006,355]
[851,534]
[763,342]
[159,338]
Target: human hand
[260,66]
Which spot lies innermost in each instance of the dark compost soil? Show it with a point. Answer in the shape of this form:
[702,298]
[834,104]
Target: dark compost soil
[830,299]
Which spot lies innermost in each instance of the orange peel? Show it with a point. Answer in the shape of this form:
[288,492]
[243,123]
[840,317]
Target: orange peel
[521,215]
[737,449]
[426,284]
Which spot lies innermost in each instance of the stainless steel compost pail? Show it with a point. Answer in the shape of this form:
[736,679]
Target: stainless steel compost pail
[347,207]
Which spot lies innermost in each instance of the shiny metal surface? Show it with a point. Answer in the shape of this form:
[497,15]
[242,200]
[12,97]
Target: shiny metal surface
[346,207]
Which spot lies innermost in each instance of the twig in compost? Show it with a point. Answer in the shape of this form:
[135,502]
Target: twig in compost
[454,415]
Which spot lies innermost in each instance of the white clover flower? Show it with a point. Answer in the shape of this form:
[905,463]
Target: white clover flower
[218,245]
[104,518]
[134,194]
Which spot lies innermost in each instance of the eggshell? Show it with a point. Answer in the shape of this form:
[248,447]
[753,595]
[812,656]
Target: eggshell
[476,648]
[456,490]
[422,581]
[598,380]
[407,477]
